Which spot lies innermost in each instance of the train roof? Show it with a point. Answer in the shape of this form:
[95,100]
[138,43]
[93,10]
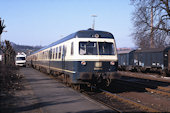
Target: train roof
[81,34]
[150,50]
[125,51]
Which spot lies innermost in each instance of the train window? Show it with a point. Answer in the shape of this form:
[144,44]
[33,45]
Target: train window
[39,55]
[50,54]
[43,55]
[56,53]
[59,54]
[46,54]
[106,48]
[88,48]
[64,50]
[53,53]
[72,48]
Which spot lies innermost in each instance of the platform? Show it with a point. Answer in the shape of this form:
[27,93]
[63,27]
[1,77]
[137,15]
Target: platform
[55,97]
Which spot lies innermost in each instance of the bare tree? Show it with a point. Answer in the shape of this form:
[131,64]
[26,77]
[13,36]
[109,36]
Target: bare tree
[8,53]
[2,26]
[151,20]
[6,48]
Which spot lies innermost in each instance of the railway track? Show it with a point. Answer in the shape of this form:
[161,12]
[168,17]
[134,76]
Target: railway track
[130,102]
[117,102]
[164,91]
[144,76]
[152,89]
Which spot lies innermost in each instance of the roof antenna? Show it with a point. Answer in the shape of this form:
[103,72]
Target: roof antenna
[93,21]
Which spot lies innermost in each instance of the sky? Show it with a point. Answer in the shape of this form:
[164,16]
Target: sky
[42,22]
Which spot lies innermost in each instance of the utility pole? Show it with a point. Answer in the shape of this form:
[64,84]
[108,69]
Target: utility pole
[93,25]
[151,35]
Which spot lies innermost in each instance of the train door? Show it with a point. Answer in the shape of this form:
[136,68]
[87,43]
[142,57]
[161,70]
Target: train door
[169,60]
[63,57]
[50,57]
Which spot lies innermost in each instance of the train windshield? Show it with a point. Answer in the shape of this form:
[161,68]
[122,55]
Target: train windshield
[96,48]
[88,48]
[106,48]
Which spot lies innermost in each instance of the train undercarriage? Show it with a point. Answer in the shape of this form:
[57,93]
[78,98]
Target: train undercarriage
[86,79]
[158,70]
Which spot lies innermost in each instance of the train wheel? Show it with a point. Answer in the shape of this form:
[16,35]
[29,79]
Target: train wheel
[163,73]
[78,87]
[108,81]
[91,88]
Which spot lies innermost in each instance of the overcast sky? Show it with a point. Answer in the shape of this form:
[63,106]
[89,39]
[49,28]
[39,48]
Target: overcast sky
[41,22]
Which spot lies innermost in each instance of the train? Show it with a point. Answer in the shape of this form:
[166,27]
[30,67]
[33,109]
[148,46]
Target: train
[154,60]
[84,57]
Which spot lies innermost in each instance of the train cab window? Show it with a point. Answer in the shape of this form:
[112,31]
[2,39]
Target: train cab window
[106,48]
[72,48]
[59,54]
[88,48]
[56,52]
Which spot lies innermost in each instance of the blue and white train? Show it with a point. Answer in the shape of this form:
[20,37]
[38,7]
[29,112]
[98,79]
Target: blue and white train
[86,56]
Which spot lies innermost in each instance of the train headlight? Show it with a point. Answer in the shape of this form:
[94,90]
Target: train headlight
[112,63]
[83,63]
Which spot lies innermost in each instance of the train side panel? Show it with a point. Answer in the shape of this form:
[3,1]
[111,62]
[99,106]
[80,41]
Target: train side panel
[167,61]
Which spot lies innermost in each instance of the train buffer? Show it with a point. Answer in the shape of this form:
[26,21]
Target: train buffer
[54,97]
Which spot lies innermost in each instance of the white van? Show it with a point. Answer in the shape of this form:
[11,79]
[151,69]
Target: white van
[0,58]
[20,59]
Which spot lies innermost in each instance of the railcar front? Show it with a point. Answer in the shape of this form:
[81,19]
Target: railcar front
[96,58]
